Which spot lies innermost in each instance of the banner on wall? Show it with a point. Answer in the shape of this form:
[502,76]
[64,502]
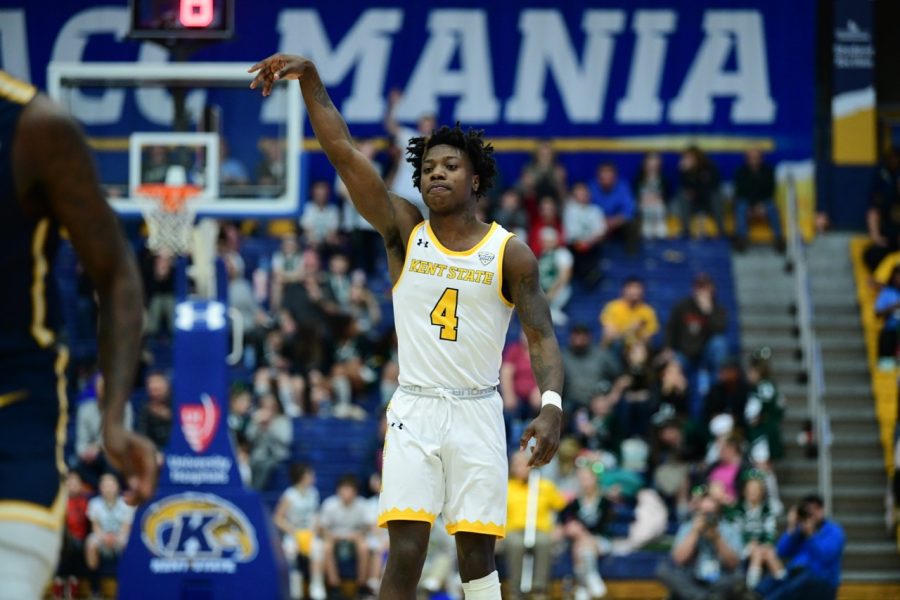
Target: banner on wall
[853,140]
[613,77]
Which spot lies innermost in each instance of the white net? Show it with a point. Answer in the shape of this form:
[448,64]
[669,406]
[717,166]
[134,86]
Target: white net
[170,223]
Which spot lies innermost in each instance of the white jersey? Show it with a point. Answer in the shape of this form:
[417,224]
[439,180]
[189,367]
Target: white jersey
[450,313]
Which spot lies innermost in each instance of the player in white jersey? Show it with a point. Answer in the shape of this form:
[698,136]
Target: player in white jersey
[457,281]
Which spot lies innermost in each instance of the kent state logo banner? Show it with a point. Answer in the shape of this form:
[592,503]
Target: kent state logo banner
[198,533]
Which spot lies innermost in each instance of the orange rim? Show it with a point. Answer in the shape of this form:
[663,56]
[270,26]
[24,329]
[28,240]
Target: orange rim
[171,198]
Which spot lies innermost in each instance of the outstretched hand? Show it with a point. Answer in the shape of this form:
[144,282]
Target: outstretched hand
[545,429]
[136,458]
[276,67]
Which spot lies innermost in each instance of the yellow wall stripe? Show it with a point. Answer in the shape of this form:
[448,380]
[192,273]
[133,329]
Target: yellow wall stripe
[43,336]
[636,144]
[15,90]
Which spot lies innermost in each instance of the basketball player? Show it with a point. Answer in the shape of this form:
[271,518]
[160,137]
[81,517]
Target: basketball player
[456,281]
[48,183]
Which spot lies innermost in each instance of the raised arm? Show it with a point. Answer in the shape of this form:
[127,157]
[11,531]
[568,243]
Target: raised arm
[56,177]
[521,284]
[391,215]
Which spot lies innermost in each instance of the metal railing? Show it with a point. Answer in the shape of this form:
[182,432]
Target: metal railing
[810,347]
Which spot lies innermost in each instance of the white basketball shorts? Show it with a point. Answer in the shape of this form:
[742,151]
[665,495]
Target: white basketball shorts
[445,454]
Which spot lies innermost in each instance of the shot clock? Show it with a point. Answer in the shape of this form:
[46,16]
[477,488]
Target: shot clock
[169,20]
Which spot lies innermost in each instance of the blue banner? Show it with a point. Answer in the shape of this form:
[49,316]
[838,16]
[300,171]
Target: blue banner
[604,78]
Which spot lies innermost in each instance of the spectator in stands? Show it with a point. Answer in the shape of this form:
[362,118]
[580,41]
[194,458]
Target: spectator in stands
[629,319]
[754,194]
[652,192]
[616,201]
[518,387]
[555,270]
[887,308]
[724,475]
[159,283]
[289,354]
[549,501]
[764,411]
[350,374]
[270,170]
[365,243]
[155,419]
[696,333]
[728,395]
[671,390]
[585,226]
[757,522]
[400,178]
[698,190]
[337,284]
[705,559]
[547,174]
[363,306]
[439,571]
[585,520]
[240,297]
[883,217]
[377,538]
[154,165]
[511,215]
[321,219]
[546,217]
[586,365]
[812,546]
[231,170]
[88,425]
[637,384]
[344,522]
[287,269]
[595,425]
[110,525]
[295,518]
[270,434]
[72,565]
[671,458]
[240,403]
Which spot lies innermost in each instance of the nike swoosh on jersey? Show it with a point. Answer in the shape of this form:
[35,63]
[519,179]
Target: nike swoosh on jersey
[12,397]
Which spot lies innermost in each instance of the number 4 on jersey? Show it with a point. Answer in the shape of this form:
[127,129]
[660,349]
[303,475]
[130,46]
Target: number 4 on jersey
[443,314]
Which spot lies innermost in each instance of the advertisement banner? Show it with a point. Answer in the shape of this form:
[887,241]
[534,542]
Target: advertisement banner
[603,79]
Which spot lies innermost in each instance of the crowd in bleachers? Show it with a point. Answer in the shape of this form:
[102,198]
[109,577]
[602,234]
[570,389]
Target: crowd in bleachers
[668,430]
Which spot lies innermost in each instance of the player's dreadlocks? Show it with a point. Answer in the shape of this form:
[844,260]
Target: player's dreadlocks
[471,142]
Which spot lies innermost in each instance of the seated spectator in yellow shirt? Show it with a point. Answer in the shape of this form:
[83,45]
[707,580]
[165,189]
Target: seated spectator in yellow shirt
[629,319]
[549,501]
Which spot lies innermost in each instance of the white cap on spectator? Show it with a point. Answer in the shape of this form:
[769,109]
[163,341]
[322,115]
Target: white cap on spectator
[721,425]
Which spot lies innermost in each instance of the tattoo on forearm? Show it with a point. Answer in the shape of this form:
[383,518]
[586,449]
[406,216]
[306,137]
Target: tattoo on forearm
[321,96]
[534,314]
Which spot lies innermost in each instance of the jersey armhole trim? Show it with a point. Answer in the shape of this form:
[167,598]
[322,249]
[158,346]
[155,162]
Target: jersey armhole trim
[409,240]
[500,254]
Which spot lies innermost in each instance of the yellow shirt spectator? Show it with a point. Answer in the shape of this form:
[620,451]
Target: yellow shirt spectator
[550,501]
[621,319]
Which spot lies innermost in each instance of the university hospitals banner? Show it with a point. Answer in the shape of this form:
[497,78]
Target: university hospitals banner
[602,78]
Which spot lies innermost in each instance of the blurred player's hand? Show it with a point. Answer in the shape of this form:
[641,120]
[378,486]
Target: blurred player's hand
[278,66]
[545,429]
[135,457]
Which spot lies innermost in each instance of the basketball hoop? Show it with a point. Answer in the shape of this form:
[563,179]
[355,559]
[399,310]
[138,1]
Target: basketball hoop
[169,216]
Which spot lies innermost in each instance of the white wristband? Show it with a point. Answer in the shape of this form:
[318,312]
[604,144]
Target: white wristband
[551,397]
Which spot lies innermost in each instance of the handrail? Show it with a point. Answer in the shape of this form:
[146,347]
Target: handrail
[810,347]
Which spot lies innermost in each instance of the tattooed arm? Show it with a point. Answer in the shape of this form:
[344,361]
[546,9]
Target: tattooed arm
[391,215]
[521,284]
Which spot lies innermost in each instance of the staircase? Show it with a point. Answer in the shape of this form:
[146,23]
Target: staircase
[858,472]
[766,298]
